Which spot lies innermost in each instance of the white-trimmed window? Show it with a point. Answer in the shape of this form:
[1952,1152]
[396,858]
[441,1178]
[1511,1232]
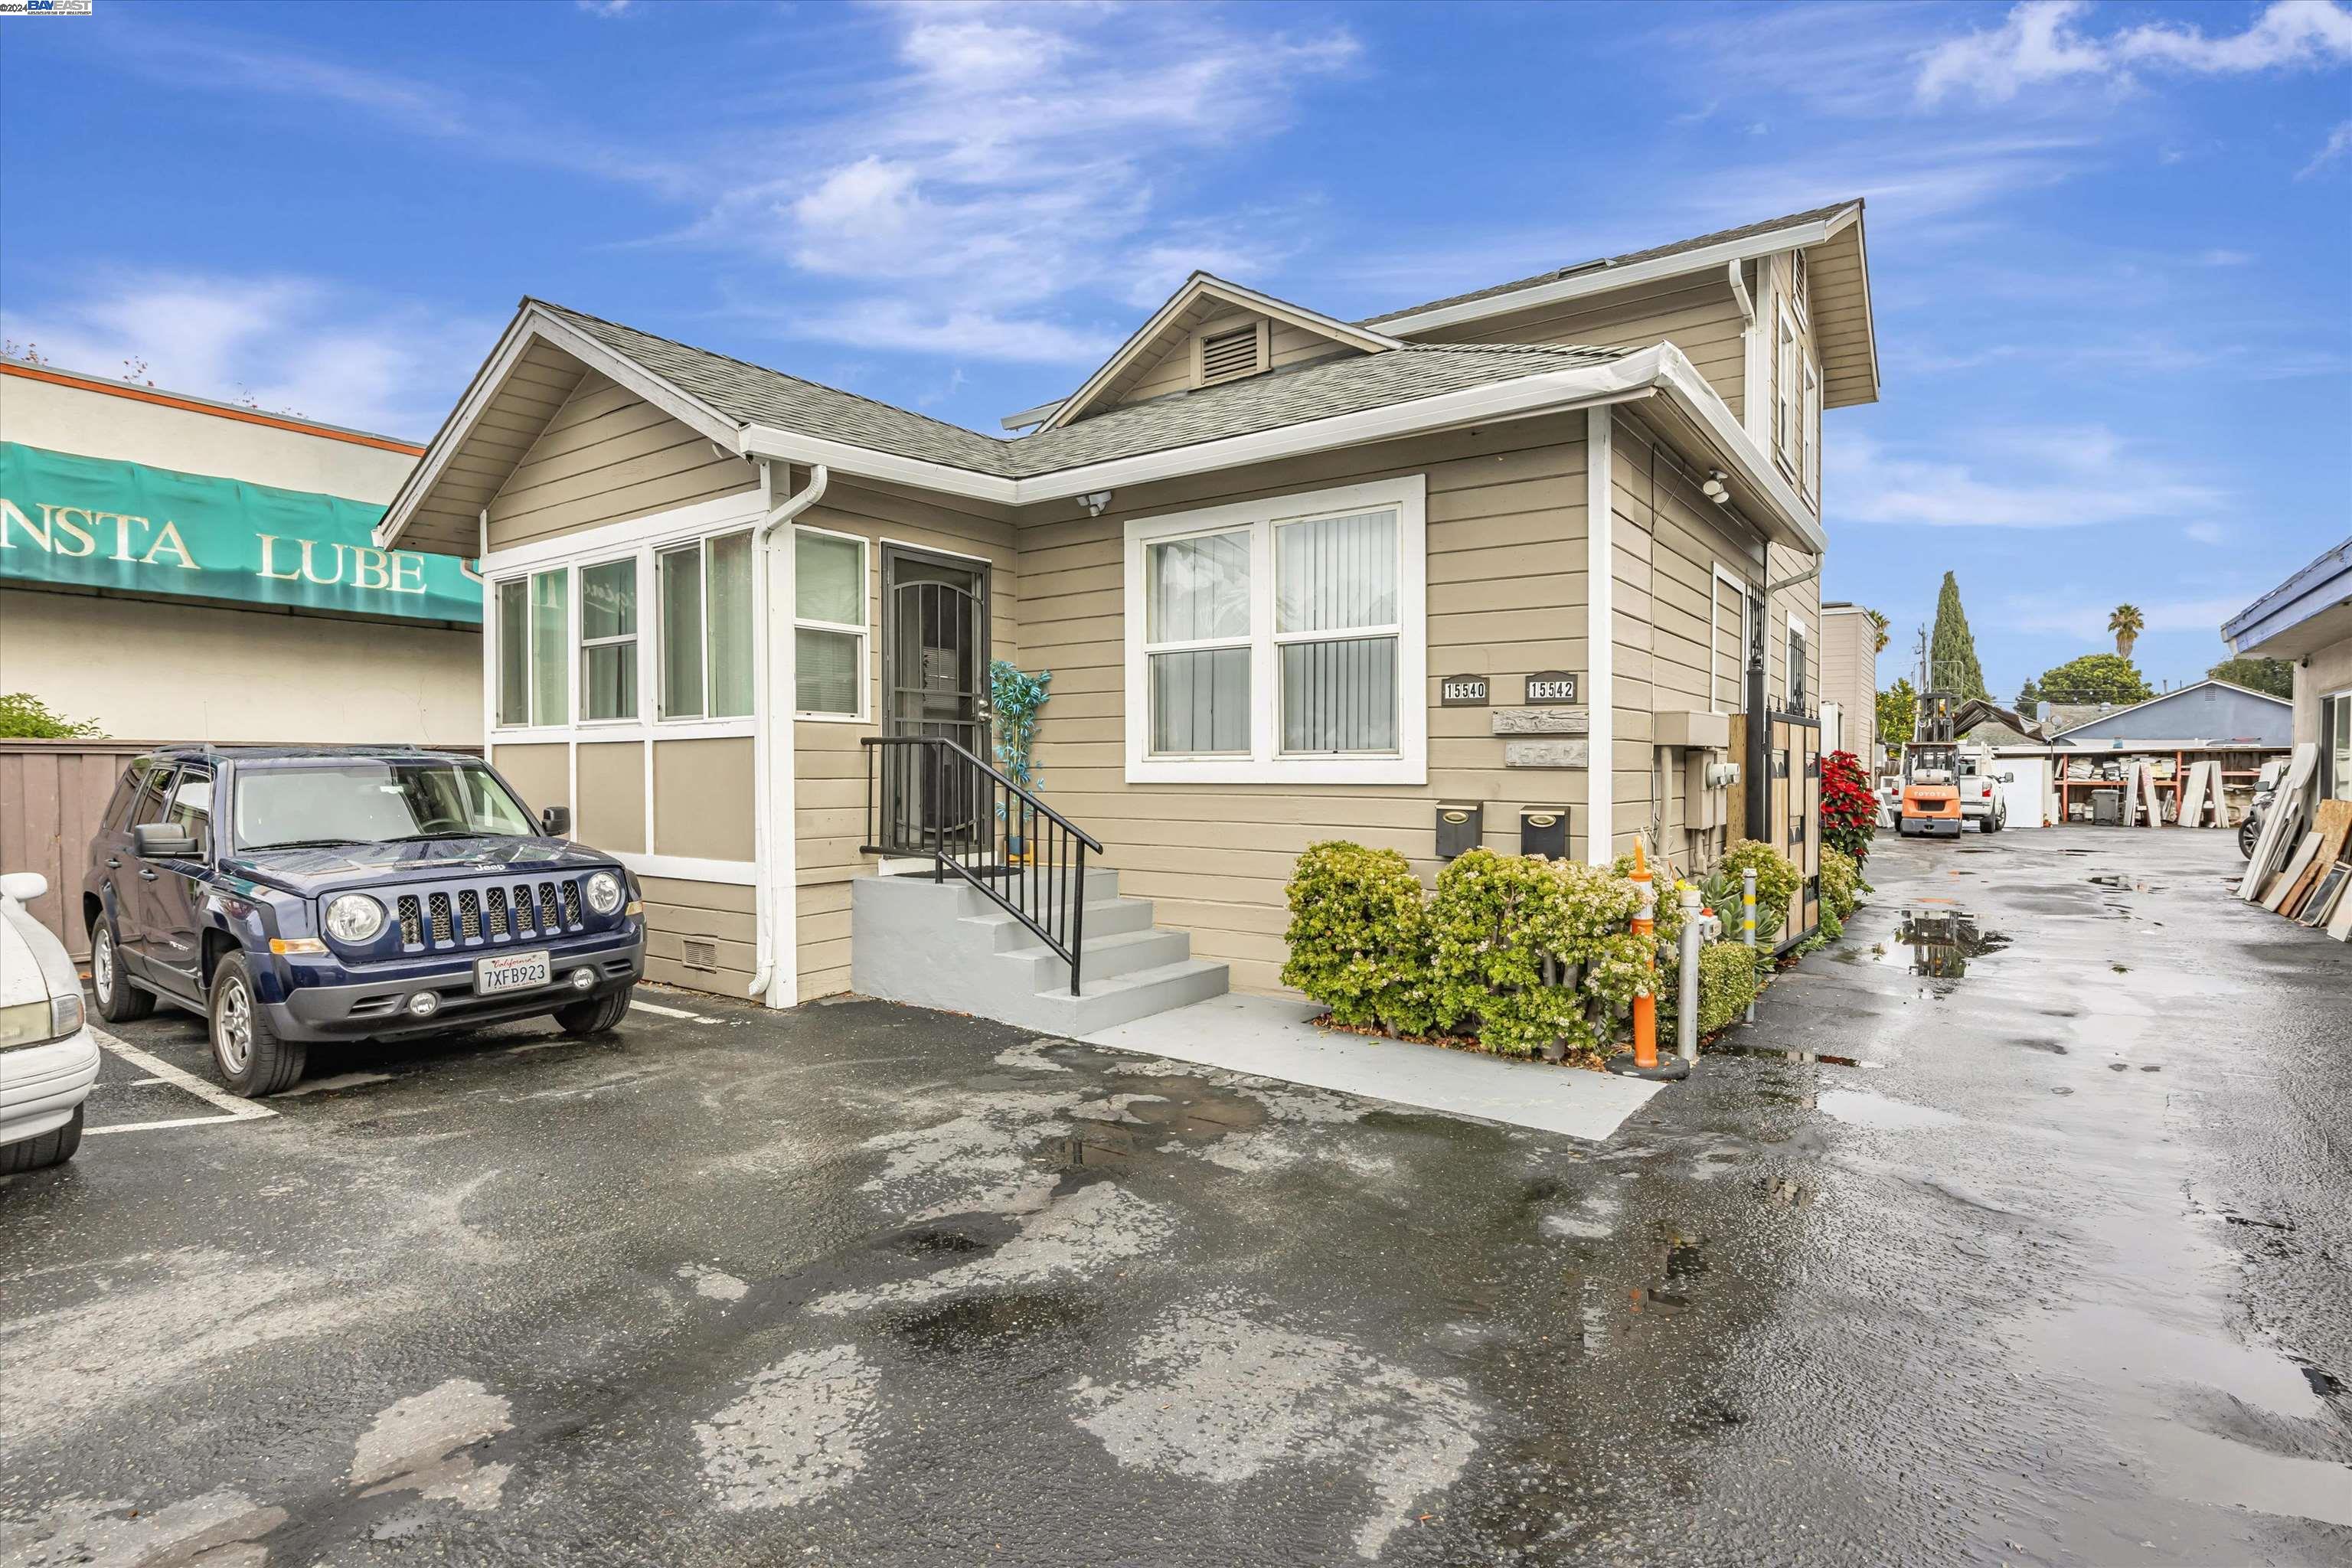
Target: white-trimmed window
[1282,641]
[1727,646]
[1787,389]
[703,587]
[829,633]
[1810,434]
[534,617]
[608,641]
[1798,660]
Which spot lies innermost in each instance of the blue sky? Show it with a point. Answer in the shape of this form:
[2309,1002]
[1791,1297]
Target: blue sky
[2109,241]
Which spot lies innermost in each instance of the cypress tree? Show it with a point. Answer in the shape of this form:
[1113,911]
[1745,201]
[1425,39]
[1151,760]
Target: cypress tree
[1951,652]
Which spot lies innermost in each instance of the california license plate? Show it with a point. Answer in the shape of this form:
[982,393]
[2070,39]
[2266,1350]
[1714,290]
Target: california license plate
[510,972]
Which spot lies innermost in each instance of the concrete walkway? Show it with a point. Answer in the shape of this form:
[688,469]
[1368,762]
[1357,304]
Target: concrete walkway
[1272,1037]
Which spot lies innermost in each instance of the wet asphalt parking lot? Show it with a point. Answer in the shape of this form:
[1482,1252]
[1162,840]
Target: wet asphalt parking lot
[2048,1264]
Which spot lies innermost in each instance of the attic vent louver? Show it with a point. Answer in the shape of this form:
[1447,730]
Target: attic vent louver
[1228,354]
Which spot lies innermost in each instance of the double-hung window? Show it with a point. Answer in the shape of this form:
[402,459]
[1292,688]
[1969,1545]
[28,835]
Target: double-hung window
[704,589]
[608,641]
[1789,398]
[1798,660]
[1810,433]
[534,615]
[1280,641]
[829,623]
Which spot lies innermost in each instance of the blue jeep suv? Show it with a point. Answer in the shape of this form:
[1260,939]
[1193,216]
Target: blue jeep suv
[301,894]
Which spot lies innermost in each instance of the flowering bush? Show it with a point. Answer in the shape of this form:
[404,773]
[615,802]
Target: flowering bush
[1359,937]
[1849,810]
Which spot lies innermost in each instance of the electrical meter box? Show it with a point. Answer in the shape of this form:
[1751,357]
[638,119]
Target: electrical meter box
[1543,830]
[1460,826]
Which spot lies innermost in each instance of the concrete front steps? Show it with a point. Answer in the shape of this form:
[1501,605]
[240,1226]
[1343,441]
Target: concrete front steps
[947,945]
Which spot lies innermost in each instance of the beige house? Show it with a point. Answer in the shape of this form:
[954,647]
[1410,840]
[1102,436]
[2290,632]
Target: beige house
[1849,689]
[1487,565]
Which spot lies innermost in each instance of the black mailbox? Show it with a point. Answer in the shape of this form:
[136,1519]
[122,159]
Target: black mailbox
[1460,825]
[1543,830]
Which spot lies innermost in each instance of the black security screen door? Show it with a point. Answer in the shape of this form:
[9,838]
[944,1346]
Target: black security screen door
[935,679]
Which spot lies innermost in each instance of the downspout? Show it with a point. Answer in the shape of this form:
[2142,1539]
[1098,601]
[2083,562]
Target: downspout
[774,851]
[1600,647]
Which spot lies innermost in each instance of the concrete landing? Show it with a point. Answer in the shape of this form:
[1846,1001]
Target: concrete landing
[1271,1038]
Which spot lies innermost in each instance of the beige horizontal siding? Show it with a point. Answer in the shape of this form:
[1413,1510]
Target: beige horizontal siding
[719,913]
[1696,313]
[605,455]
[1507,560]
[829,764]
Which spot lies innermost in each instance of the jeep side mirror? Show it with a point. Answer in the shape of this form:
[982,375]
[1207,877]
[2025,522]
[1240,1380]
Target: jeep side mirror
[163,841]
[555,821]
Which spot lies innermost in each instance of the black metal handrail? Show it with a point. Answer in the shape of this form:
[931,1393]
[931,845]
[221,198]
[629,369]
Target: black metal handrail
[928,796]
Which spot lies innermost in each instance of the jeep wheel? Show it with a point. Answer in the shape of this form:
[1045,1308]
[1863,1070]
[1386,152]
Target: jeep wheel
[251,1057]
[119,1001]
[54,1147]
[595,1017]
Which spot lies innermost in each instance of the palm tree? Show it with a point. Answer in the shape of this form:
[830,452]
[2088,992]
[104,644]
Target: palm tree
[2127,623]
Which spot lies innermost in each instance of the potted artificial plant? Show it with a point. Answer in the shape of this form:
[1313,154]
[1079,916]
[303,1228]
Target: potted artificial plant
[1015,697]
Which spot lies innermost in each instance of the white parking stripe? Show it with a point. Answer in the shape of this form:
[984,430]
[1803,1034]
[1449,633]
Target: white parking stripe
[210,1094]
[657,1009]
[151,1126]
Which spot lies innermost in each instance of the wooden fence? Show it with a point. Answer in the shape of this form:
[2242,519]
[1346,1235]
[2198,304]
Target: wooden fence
[52,793]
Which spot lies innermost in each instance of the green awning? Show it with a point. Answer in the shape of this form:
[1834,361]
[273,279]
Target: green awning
[95,523]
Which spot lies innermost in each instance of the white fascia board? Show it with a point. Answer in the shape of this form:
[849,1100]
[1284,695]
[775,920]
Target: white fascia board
[1796,236]
[1635,375]
[1028,416]
[1692,394]
[532,323]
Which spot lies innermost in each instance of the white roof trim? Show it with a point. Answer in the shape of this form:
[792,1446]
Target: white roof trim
[1796,236]
[2167,697]
[1662,370]
[531,323]
[1370,340]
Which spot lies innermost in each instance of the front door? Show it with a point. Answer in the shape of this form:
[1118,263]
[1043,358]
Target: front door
[935,682]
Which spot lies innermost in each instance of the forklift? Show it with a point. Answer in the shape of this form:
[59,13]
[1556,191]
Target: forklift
[1930,804]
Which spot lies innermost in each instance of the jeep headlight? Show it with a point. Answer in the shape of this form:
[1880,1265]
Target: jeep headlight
[353,918]
[603,891]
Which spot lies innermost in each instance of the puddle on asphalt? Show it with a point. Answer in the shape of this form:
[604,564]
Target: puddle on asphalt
[2122,883]
[1863,1109]
[1939,943]
[1779,1054]
[992,1322]
[1150,1113]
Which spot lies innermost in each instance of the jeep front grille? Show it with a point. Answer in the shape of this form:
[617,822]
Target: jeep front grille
[470,916]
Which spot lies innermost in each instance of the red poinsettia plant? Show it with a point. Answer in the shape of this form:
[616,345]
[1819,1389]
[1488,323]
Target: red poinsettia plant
[1849,810]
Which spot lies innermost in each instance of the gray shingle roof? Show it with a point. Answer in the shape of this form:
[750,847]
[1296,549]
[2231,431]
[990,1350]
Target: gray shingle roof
[753,394]
[1721,237]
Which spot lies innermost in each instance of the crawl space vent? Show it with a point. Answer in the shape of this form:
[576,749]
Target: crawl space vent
[701,955]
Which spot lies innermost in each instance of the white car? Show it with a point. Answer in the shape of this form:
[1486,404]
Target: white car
[47,1057]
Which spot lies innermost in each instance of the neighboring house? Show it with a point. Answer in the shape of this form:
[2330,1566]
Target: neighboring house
[174,568]
[2207,715]
[2308,619]
[1849,692]
[1295,578]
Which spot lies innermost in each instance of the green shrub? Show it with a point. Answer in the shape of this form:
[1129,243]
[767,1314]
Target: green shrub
[24,716]
[1727,984]
[1496,922]
[1359,937]
[1841,884]
[1777,881]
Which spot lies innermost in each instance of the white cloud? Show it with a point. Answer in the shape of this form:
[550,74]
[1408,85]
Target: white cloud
[2339,142]
[2049,477]
[289,342]
[2219,258]
[606,7]
[2039,43]
[2206,533]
